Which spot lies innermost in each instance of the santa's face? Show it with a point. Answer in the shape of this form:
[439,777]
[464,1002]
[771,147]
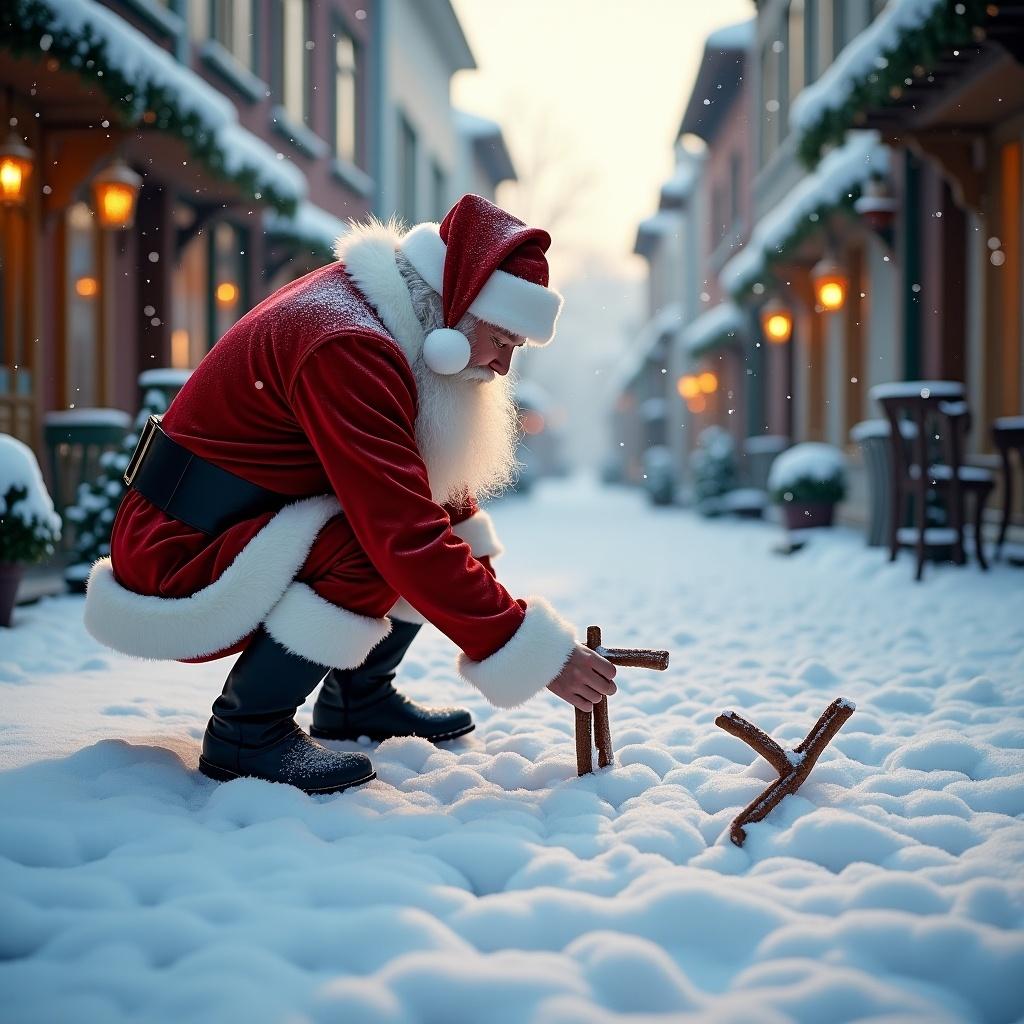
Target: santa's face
[491,350]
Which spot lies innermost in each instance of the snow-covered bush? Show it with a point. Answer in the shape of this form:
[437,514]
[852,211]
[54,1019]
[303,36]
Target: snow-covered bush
[659,474]
[808,473]
[713,463]
[29,526]
[97,500]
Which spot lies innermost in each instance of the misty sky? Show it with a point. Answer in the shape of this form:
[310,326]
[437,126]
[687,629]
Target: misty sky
[592,90]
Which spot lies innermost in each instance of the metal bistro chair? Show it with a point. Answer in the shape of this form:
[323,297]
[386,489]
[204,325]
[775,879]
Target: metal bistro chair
[935,465]
[75,440]
[1008,435]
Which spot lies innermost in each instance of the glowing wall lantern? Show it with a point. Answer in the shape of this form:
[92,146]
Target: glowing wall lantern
[16,162]
[776,323]
[830,284]
[688,387]
[708,383]
[87,287]
[115,190]
[227,293]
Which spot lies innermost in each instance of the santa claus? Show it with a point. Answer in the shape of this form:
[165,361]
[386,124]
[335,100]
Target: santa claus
[310,498]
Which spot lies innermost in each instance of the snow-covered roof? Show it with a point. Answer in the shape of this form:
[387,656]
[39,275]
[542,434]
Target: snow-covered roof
[653,228]
[155,74]
[864,55]
[720,79]
[678,187]
[717,326]
[488,142]
[843,171]
[310,224]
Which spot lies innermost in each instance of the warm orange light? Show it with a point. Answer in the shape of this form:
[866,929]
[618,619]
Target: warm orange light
[115,190]
[697,404]
[179,349]
[87,287]
[533,422]
[830,284]
[15,171]
[708,383]
[227,293]
[777,323]
[688,387]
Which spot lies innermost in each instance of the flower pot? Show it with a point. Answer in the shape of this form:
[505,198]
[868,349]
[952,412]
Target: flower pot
[10,579]
[803,515]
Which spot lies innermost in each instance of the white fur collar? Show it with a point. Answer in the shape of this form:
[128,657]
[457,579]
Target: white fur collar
[368,252]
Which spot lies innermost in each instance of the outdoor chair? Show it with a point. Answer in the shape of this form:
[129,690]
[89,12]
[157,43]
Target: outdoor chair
[1008,435]
[934,466]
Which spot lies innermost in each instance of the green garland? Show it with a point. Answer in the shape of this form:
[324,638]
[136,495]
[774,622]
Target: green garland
[919,47]
[23,24]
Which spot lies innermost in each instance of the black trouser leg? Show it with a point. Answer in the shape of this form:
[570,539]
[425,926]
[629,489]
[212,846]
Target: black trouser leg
[363,702]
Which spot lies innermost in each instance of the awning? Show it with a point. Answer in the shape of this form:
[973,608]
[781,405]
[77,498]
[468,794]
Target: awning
[837,182]
[150,87]
[309,225]
[723,324]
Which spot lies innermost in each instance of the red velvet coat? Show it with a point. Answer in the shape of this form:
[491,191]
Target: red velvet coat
[312,395]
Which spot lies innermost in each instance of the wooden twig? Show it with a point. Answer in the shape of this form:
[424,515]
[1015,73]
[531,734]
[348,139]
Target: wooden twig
[793,767]
[624,656]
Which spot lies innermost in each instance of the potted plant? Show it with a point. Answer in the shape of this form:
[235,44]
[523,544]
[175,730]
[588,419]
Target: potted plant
[29,527]
[714,468]
[807,481]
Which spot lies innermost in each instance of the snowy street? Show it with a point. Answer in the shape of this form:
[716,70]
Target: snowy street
[481,881]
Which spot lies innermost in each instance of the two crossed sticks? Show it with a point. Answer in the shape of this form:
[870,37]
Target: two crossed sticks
[793,766]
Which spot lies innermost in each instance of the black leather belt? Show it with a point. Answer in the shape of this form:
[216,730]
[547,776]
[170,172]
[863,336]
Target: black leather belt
[189,488]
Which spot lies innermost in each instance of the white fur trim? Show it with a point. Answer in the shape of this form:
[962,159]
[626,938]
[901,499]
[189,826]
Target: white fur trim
[479,533]
[218,615]
[368,252]
[519,306]
[531,659]
[404,612]
[322,632]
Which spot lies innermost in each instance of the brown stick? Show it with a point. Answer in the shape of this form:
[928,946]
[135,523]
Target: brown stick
[762,743]
[797,766]
[602,726]
[657,660]
[584,744]
[598,718]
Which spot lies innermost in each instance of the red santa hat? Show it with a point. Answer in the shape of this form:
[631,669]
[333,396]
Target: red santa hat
[483,260]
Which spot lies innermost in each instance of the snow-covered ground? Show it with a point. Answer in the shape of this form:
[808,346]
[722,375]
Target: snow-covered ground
[484,883]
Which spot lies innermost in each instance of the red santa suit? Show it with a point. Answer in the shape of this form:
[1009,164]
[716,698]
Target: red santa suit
[312,395]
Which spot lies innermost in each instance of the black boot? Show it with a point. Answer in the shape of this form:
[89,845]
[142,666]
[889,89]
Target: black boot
[362,702]
[253,732]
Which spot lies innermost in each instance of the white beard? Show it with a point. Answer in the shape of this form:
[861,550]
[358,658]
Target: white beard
[467,429]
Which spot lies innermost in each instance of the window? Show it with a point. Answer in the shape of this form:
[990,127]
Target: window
[83,384]
[439,190]
[231,25]
[796,48]
[346,97]
[189,290]
[228,278]
[810,34]
[407,168]
[291,71]
[769,100]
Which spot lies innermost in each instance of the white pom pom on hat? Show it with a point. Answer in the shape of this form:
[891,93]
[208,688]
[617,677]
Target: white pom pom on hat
[483,260]
[446,351]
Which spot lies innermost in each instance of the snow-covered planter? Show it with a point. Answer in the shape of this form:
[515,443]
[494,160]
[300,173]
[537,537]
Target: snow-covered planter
[713,464]
[29,526]
[807,481]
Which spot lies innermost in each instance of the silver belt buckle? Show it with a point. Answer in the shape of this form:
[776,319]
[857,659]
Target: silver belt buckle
[141,448]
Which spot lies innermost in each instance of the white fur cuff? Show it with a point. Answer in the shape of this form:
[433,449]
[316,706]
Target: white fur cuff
[404,612]
[532,658]
[479,533]
[322,632]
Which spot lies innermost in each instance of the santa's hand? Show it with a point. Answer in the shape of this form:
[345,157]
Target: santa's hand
[585,679]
